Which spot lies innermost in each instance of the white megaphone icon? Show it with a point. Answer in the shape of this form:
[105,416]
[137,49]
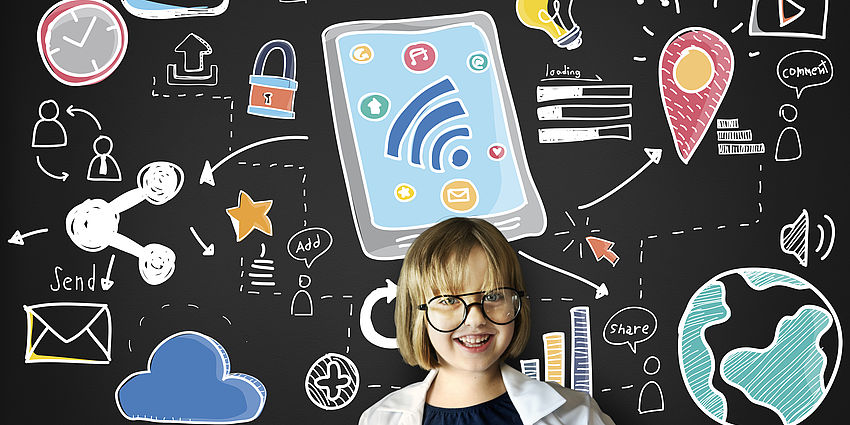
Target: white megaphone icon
[794,238]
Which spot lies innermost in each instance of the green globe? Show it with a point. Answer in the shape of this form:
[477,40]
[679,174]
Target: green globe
[735,368]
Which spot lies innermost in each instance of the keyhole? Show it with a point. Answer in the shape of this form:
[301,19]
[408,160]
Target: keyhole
[268,97]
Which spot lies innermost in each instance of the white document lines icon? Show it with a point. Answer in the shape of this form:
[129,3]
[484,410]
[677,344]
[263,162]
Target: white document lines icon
[69,332]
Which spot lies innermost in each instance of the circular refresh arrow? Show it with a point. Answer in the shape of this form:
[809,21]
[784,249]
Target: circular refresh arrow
[366,326]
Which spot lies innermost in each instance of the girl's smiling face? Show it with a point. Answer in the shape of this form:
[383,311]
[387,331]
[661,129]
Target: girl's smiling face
[478,344]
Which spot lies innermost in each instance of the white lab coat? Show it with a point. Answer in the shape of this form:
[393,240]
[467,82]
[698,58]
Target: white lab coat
[538,403]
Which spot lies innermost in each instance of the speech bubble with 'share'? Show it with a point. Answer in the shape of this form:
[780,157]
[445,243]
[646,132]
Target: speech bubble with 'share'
[630,326]
[308,244]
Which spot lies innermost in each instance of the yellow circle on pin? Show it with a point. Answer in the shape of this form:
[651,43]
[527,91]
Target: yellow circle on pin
[694,70]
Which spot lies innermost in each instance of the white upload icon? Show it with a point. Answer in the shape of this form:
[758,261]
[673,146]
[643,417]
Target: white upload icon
[93,224]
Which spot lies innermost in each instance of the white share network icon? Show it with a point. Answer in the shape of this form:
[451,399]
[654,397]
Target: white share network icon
[93,224]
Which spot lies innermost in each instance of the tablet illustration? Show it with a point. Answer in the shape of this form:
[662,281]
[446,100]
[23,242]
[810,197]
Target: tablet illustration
[426,129]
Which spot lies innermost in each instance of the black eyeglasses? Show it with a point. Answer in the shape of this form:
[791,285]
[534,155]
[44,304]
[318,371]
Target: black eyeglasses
[447,313]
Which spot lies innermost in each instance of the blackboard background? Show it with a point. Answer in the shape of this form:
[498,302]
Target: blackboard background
[148,121]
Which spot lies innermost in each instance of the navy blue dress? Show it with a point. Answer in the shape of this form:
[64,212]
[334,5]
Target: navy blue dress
[498,411]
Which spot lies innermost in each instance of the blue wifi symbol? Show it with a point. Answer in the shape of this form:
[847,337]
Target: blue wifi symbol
[445,111]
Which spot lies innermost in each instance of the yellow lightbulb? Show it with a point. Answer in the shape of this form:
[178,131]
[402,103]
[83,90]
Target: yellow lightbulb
[535,14]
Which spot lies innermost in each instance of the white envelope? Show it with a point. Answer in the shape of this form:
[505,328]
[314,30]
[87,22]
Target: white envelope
[458,195]
[75,336]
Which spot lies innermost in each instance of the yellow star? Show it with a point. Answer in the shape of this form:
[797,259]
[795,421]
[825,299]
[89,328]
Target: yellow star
[249,215]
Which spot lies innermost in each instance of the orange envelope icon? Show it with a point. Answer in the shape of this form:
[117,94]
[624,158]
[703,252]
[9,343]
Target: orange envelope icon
[69,332]
[459,195]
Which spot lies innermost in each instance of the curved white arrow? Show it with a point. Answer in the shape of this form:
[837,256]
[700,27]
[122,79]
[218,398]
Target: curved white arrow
[207,173]
[654,158]
[18,238]
[71,109]
[62,177]
[601,290]
[366,326]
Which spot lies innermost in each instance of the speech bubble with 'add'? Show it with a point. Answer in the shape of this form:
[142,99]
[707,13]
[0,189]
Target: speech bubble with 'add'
[630,326]
[308,244]
[803,69]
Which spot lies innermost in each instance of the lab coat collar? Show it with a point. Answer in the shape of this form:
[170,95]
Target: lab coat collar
[532,399]
[410,399]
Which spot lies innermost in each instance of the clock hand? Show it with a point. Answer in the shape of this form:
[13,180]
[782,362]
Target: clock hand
[88,30]
[85,36]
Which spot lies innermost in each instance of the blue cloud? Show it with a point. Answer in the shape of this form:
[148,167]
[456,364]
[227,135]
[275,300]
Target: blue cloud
[189,380]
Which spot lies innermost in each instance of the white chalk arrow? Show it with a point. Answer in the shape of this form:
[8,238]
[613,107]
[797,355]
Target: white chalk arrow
[209,250]
[207,173]
[106,282]
[366,325]
[62,177]
[71,109]
[18,238]
[654,158]
[601,290]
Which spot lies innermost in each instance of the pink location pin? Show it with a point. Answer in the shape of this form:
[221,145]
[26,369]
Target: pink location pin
[694,71]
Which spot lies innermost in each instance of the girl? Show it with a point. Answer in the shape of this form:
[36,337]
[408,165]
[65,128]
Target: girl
[460,312]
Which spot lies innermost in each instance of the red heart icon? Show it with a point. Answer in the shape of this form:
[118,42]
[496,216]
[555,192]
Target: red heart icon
[496,151]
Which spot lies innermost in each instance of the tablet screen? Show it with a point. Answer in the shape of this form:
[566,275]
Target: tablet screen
[429,125]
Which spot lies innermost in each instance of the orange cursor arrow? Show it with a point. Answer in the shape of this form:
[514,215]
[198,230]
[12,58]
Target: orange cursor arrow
[602,249]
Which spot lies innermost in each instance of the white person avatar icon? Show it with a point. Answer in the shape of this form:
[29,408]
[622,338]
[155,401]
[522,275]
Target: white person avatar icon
[788,147]
[302,302]
[93,224]
[48,132]
[103,167]
[651,399]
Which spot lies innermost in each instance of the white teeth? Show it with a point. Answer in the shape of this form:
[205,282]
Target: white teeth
[473,340]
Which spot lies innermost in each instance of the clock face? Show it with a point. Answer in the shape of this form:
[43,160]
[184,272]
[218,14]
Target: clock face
[82,41]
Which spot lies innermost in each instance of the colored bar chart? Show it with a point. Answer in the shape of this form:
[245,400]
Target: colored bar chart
[581,360]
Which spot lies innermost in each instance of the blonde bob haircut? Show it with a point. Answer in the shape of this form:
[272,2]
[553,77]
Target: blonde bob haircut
[436,263]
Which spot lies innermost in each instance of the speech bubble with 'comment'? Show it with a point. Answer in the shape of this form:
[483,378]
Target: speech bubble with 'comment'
[308,244]
[630,326]
[803,69]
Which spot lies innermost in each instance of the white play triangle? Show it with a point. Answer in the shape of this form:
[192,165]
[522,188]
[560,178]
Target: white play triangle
[787,18]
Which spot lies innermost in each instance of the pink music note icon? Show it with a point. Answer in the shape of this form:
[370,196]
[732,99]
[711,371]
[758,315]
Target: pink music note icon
[419,57]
